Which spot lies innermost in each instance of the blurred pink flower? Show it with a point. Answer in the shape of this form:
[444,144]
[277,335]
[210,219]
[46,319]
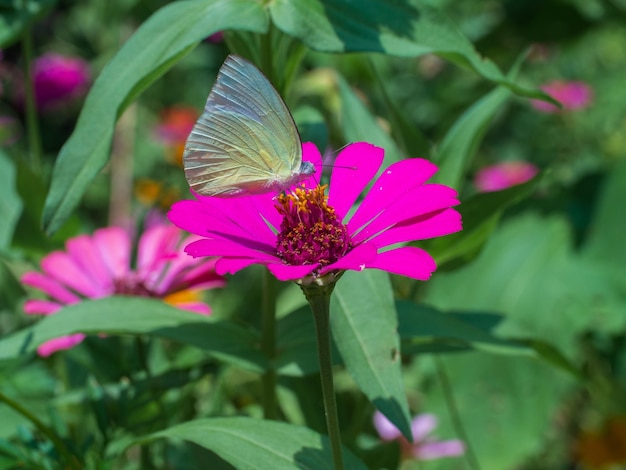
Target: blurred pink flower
[572,95]
[304,235]
[503,175]
[424,446]
[99,266]
[58,79]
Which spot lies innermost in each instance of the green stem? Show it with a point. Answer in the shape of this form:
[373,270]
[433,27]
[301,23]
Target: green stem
[32,123]
[70,460]
[470,455]
[319,300]
[268,346]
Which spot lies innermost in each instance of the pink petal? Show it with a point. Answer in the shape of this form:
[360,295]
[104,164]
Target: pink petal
[233,265]
[201,277]
[385,428]
[356,259]
[422,425]
[227,217]
[310,153]
[421,228]
[195,307]
[84,251]
[417,202]
[437,450]
[58,344]
[114,245]
[345,183]
[40,307]
[208,247]
[246,213]
[393,184]
[50,286]
[61,266]
[155,245]
[185,271]
[283,272]
[406,261]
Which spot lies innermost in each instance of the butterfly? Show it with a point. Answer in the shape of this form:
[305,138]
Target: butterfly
[246,141]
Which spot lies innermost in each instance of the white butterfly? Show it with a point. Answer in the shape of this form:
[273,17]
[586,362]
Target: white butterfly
[245,141]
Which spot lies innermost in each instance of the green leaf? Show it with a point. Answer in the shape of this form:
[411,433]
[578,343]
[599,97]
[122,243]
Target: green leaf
[163,39]
[364,326]
[394,27]
[606,239]
[515,398]
[529,272]
[10,202]
[480,215]
[295,344]
[312,126]
[11,291]
[459,145]
[16,16]
[251,444]
[139,316]
[360,125]
[421,327]
[412,141]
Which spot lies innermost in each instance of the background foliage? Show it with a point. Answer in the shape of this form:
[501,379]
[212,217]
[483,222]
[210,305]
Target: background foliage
[521,329]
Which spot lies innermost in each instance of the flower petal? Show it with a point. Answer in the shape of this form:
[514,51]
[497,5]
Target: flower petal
[310,153]
[284,272]
[86,254]
[437,450]
[422,425]
[50,286]
[41,307]
[406,261]
[114,245]
[392,185]
[418,202]
[243,217]
[385,428]
[221,248]
[345,183]
[195,307]
[58,344]
[156,245]
[232,265]
[356,259]
[63,267]
[421,228]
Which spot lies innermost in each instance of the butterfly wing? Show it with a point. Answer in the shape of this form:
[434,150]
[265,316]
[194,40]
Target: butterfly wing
[245,141]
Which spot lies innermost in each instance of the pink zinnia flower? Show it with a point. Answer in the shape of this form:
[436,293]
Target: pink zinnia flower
[572,95]
[305,236]
[100,266]
[424,447]
[58,79]
[504,175]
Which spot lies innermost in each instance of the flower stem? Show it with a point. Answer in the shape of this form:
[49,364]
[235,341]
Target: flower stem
[70,460]
[32,123]
[268,346]
[470,455]
[319,300]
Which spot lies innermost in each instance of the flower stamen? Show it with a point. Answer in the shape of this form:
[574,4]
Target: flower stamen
[310,232]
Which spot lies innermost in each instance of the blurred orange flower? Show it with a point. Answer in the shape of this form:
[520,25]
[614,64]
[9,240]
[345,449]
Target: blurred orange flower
[174,127]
